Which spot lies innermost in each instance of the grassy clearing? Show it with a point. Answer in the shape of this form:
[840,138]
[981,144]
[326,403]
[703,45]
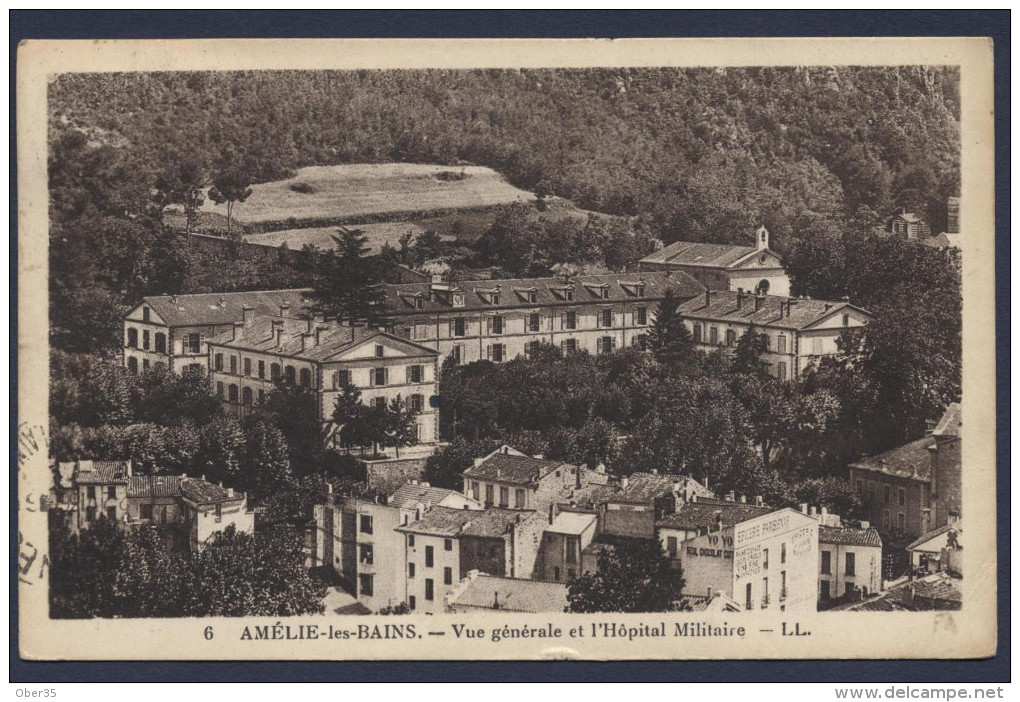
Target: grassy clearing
[358,190]
[321,237]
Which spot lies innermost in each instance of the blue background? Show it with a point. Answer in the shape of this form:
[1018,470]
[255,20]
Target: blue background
[136,24]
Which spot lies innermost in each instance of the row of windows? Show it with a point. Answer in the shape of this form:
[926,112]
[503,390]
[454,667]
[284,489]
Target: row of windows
[132,364]
[504,495]
[850,565]
[730,338]
[146,345]
[497,353]
[496,325]
[157,342]
[826,588]
[766,597]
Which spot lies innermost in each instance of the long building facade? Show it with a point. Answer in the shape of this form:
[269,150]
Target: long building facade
[795,332]
[246,361]
[497,320]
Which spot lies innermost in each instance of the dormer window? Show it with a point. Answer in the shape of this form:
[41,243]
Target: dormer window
[494,298]
[568,294]
[532,296]
[419,303]
[458,299]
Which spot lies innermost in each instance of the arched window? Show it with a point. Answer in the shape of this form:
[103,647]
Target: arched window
[763,287]
[274,371]
[289,371]
[306,377]
[132,340]
[160,342]
[232,393]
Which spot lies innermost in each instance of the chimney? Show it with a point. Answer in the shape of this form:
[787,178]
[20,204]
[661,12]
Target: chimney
[624,481]
[865,525]
[495,599]
[694,498]
[230,492]
[129,467]
[704,481]
[730,496]
[318,334]
[743,499]
[552,513]
[505,450]
[499,472]
[708,297]
[740,298]
[828,306]
[803,508]
[811,510]
[284,308]
[789,305]
[223,302]
[708,592]
[759,500]
[238,331]
[247,314]
[279,336]
[718,520]
[173,300]
[307,340]
[183,476]
[825,511]
[479,461]
[759,301]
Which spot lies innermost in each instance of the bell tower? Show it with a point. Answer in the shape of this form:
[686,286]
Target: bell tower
[763,238]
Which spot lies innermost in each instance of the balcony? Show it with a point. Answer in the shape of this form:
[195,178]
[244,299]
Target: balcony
[782,595]
[765,601]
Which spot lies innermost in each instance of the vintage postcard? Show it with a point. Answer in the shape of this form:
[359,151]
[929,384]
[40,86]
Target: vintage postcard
[506,349]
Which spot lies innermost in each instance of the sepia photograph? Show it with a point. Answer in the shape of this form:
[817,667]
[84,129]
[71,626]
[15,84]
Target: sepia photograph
[590,361]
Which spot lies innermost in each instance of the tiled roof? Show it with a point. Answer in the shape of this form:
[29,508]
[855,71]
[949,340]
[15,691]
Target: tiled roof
[149,486]
[409,494]
[908,217]
[298,338]
[508,468]
[512,595]
[574,523]
[101,472]
[703,603]
[223,308]
[924,538]
[849,536]
[494,522]
[597,548]
[446,521]
[774,309]
[203,492]
[513,292]
[702,514]
[690,253]
[950,423]
[908,461]
[911,596]
[645,487]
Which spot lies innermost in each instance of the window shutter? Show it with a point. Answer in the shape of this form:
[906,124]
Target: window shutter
[612,343]
[488,351]
[386,376]
[407,374]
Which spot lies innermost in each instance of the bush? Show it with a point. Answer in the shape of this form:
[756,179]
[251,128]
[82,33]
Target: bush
[303,188]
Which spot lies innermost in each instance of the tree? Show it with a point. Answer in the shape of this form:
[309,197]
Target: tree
[294,410]
[401,425]
[669,337]
[181,183]
[445,467]
[747,355]
[230,186]
[348,287]
[349,417]
[633,576]
[82,568]
[265,466]
[245,575]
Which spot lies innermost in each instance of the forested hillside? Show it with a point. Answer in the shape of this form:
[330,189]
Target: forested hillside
[819,155]
[701,153]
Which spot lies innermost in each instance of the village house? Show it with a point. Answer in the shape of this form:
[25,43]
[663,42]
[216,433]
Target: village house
[701,514]
[193,508]
[763,561]
[498,320]
[563,541]
[850,562]
[632,507]
[478,592]
[172,330]
[252,355]
[940,549]
[914,488]
[908,226]
[795,332]
[725,266]
[509,478]
[445,544]
[357,538]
